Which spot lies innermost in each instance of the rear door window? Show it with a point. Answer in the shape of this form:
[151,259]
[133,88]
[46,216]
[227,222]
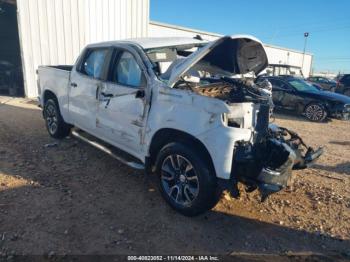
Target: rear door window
[93,63]
[279,84]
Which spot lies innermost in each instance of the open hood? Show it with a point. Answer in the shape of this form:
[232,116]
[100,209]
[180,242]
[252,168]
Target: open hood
[239,54]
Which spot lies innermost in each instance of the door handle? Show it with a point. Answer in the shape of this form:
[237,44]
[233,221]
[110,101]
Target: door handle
[97,91]
[106,95]
[140,94]
[73,84]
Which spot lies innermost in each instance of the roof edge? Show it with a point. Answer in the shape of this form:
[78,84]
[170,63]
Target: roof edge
[288,49]
[188,29]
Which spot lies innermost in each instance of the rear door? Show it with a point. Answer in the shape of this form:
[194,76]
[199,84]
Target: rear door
[86,79]
[122,102]
[283,95]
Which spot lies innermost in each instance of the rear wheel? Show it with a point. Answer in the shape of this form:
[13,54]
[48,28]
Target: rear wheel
[186,182]
[55,124]
[315,112]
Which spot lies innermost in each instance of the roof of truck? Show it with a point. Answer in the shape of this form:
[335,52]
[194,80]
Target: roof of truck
[154,42]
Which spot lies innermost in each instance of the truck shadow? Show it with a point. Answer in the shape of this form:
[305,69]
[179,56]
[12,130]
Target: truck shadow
[286,115]
[70,198]
[342,168]
[341,143]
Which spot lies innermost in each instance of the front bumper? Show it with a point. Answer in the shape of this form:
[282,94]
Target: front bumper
[341,112]
[341,115]
[268,165]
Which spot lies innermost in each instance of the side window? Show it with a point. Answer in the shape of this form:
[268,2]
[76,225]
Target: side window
[127,71]
[93,63]
[278,84]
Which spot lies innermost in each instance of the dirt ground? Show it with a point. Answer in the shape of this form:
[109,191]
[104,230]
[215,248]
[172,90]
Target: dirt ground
[65,197]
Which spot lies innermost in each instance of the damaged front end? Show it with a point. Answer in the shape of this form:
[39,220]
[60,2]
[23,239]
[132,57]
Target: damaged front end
[224,70]
[267,163]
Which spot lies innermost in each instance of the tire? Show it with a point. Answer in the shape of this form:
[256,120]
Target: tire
[55,124]
[315,112]
[185,180]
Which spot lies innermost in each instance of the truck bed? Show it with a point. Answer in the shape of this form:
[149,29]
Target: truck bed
[55,79]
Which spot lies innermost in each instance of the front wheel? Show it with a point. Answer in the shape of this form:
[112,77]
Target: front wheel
[315,112]
[186,182]
[55,124]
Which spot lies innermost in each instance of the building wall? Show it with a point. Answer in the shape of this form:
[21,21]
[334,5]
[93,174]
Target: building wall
[275,54]
[55,31]
[280,55]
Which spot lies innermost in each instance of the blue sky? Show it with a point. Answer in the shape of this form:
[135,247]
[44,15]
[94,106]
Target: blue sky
[275,22]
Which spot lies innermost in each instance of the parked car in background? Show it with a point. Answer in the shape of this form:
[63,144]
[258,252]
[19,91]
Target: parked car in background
[297,95]
[343,85]
[323,82]
[338,77]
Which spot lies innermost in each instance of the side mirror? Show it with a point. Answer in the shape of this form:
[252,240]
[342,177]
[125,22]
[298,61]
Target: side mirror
[140,93]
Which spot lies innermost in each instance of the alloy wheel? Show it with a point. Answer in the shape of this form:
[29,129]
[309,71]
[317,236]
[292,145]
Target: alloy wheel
[179,179]
[51,118]
[314,112]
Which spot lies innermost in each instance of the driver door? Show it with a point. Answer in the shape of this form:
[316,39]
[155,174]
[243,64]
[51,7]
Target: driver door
[121,110]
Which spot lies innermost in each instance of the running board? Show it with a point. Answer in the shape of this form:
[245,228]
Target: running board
[113,152]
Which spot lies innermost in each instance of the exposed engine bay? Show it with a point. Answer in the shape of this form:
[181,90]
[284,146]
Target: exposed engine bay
[231,90]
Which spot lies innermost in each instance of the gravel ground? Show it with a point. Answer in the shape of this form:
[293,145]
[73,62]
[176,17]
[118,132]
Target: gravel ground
[65,197]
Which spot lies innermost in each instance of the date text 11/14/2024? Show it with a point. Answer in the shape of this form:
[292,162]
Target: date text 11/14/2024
[173,258]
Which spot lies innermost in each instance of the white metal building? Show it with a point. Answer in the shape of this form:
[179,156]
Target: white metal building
[51,32]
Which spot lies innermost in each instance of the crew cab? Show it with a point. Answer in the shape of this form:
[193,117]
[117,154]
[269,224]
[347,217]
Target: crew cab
[175,107]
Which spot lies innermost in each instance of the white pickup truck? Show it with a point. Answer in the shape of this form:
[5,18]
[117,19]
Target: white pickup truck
[180,108]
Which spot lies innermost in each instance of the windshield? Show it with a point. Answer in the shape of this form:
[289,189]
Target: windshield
[302,85]
[165,58]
